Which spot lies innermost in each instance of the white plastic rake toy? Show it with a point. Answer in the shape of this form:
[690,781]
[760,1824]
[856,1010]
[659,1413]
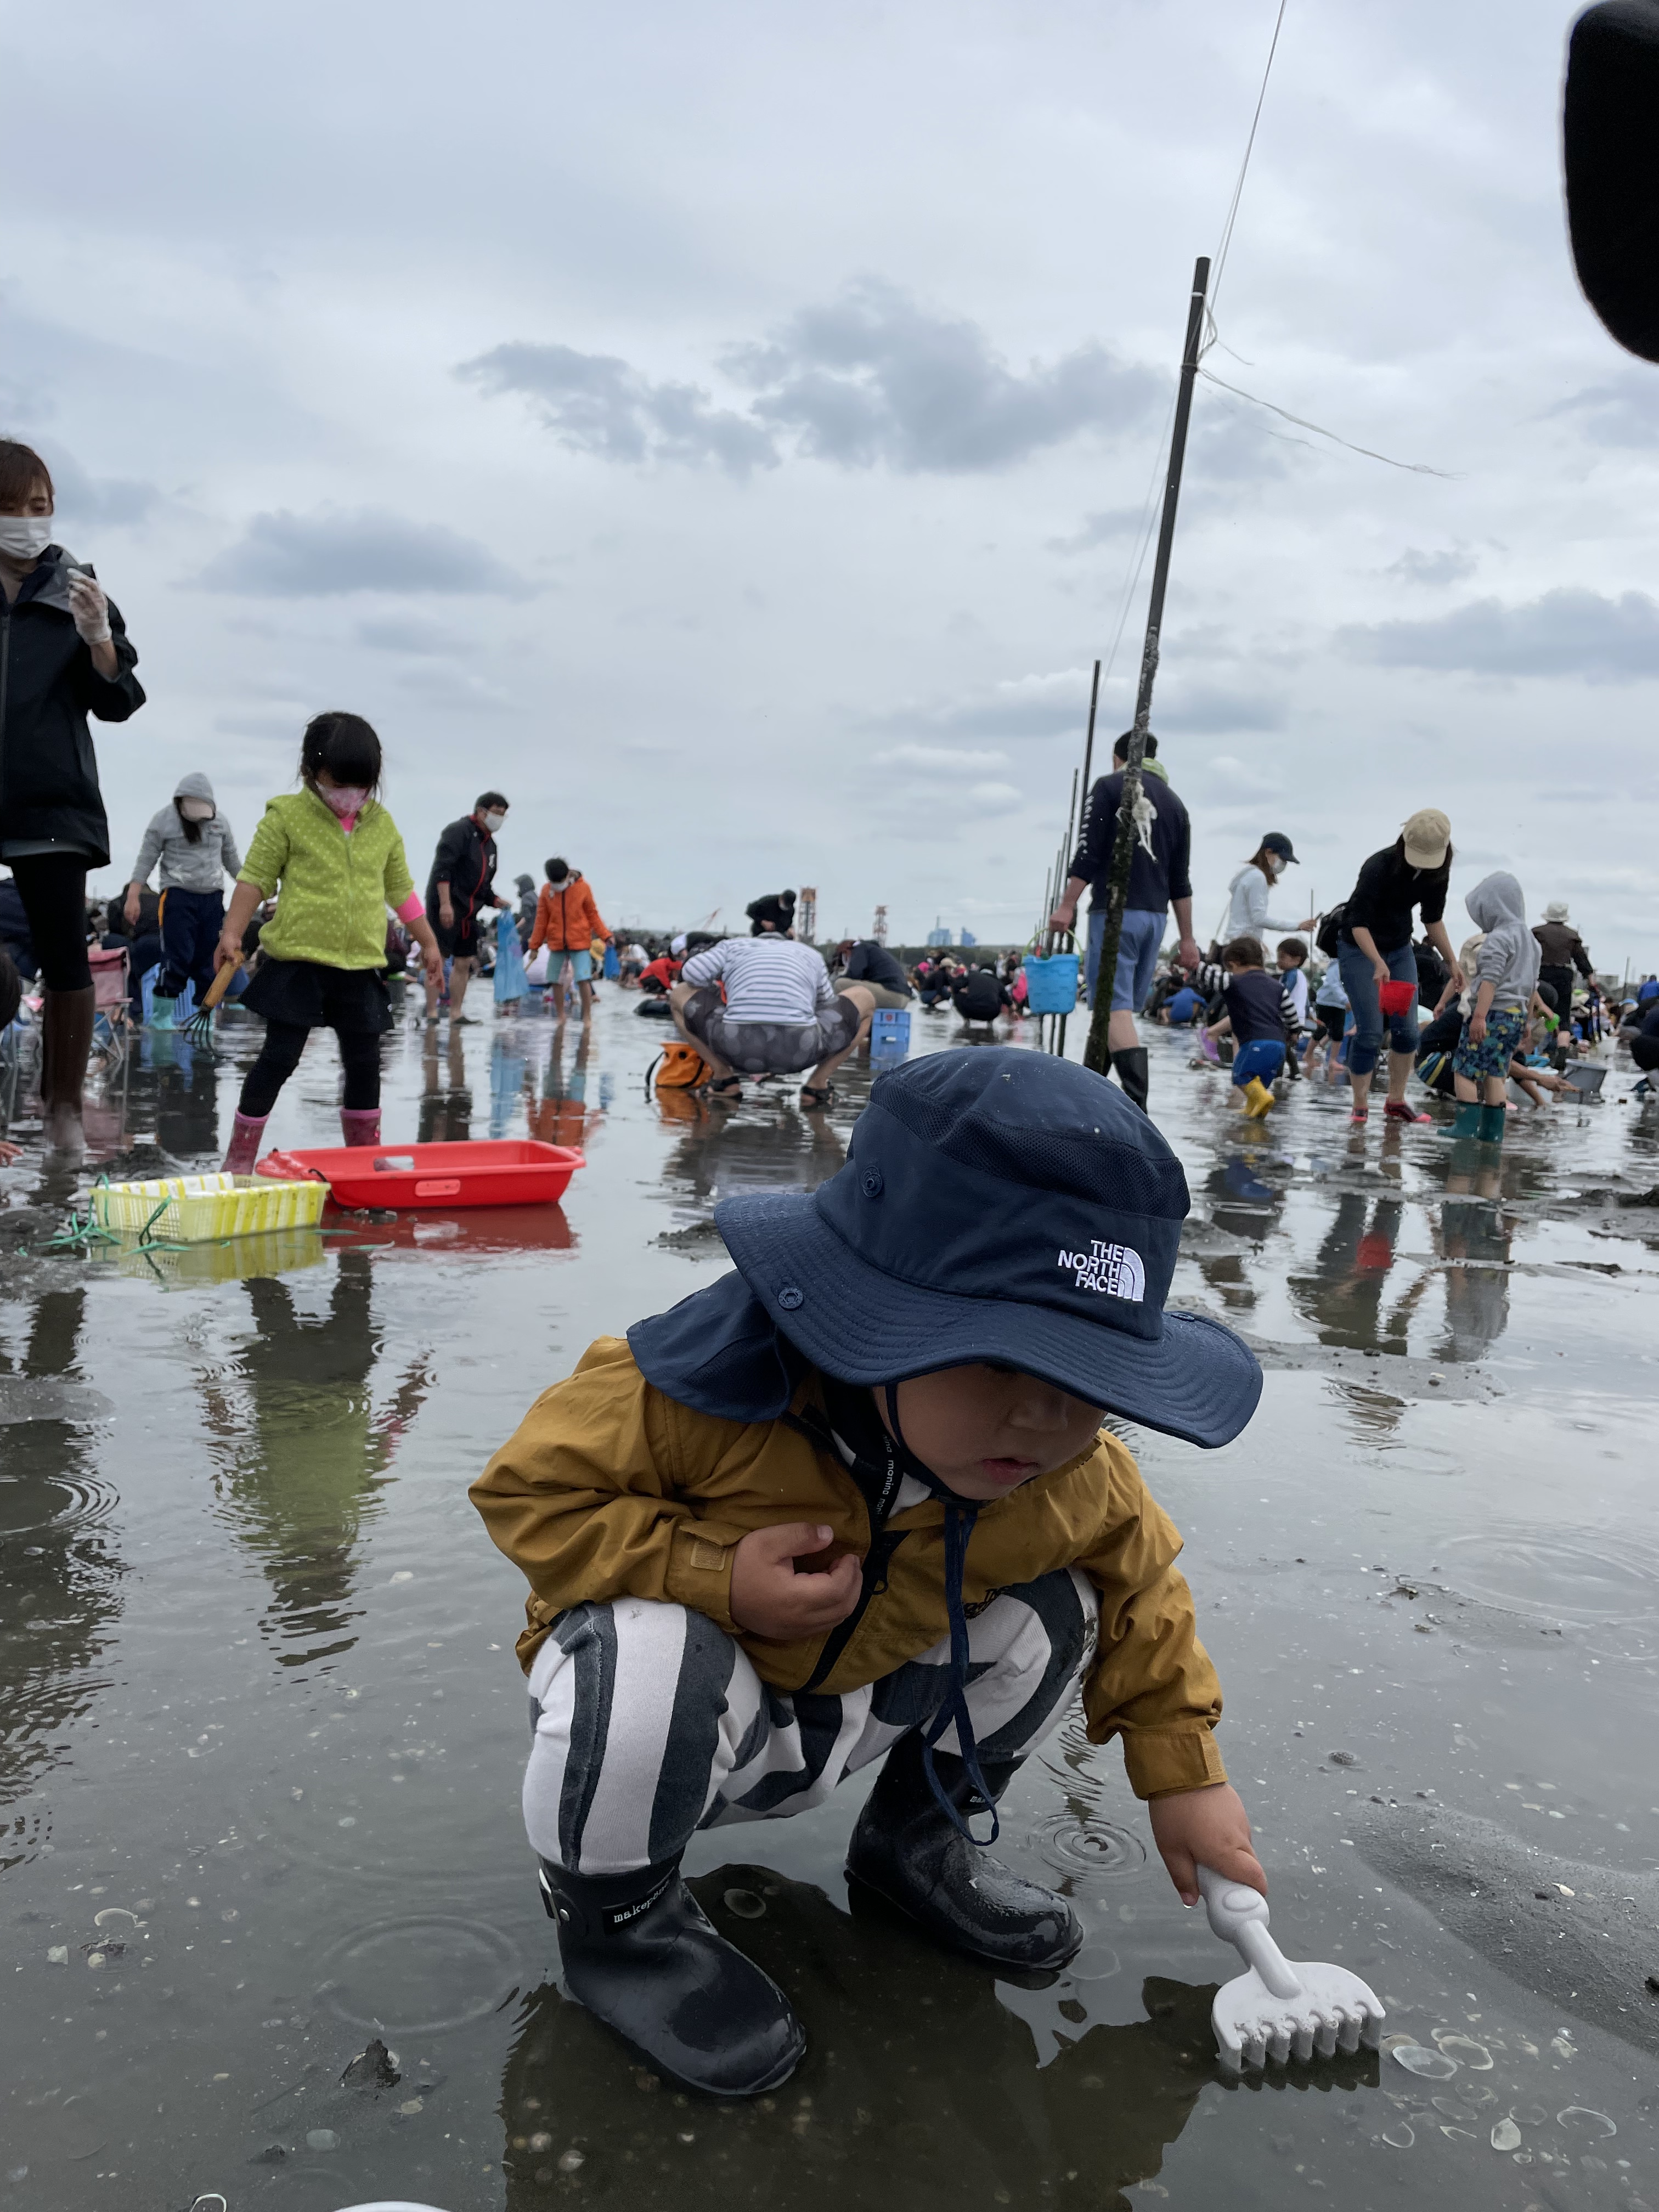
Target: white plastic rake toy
[1276,2011]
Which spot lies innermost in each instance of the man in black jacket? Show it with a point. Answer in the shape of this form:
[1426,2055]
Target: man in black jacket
[463,880]
[864,960]
[978,996]
[1160,876]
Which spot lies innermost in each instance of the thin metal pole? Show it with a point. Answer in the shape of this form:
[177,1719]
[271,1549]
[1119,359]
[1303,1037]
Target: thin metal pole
[1097,1054]
[1079,817]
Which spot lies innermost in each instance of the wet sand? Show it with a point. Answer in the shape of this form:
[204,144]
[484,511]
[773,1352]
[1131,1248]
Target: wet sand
[265,1729]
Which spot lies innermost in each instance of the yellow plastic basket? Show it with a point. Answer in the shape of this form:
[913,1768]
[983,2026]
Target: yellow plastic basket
[196,1209]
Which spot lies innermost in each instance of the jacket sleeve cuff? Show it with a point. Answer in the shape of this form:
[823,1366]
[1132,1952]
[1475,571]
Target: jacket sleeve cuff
[1162,1761]
[699,1570]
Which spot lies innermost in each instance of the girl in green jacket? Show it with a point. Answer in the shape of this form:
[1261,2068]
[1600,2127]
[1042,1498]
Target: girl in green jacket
[331,856]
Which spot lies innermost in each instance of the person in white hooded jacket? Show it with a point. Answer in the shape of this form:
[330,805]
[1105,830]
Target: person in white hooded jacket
[197,850]
[1505,979]
[1247,894]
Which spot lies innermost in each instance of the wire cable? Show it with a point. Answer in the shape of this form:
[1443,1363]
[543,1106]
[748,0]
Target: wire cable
[1244,171]
[1416,468]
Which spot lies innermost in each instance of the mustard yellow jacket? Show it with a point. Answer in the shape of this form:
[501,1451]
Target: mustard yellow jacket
[609,1489]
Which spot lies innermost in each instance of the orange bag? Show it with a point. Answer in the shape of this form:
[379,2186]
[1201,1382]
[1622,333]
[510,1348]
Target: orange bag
[681,1068]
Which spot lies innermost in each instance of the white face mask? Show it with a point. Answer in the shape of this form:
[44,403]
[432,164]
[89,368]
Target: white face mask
[343,802]
[494,820]
[24,537]
[198,809]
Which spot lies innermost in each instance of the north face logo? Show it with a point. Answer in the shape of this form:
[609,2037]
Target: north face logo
[1116,1271]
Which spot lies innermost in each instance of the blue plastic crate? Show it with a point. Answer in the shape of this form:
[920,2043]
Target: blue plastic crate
[889,1034]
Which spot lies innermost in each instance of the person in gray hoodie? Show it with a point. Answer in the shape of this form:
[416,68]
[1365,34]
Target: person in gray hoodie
[1505,981]
[197,849]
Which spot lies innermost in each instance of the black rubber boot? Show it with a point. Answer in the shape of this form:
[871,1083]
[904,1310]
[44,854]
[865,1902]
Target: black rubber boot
[1131,1066]
[906,1849]
[639,1952]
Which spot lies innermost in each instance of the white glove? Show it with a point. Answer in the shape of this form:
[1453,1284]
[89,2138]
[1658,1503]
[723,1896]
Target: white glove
[90,610]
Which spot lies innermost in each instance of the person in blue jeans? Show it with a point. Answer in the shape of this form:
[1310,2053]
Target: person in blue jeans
[1160,876]
[1374,947]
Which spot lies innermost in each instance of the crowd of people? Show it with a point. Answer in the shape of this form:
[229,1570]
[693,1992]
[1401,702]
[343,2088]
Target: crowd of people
[322,909]
[1513,1004]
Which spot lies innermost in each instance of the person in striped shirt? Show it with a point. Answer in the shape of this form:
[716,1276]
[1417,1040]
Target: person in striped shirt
[762,1004]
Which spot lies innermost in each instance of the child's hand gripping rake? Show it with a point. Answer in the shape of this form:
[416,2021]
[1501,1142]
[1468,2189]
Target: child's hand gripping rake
[1276,2010]
[200,1024]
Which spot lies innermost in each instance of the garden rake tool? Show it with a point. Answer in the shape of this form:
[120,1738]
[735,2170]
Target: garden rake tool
[1276,2010]
[200,1025]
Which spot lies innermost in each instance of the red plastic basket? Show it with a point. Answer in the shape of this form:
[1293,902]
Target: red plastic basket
[1396,999]
[495,1172]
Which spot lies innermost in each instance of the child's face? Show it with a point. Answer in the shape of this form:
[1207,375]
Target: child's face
[983,1431]
[1287,959]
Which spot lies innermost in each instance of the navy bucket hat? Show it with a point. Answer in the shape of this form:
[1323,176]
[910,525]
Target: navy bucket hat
[1006,1207]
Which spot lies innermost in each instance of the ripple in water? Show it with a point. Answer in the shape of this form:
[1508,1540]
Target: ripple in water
[1559,1578]
[418,1976]
[1087,1847]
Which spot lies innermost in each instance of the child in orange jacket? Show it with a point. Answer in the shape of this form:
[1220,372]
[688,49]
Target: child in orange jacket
[567,922]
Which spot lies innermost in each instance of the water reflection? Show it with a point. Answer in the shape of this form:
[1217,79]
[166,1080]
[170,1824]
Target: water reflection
[61,1572]
[562,1115]
[1343,1298]
[304,1455]
[445,1114]
[918,2076]
[723,1154]
[1475,1239]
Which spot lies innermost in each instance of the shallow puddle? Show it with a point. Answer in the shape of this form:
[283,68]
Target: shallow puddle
[258,1789]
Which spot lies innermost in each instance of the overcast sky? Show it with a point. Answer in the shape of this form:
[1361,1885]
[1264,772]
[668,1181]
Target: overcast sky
[726,430]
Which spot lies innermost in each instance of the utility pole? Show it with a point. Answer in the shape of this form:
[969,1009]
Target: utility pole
[1097,1055]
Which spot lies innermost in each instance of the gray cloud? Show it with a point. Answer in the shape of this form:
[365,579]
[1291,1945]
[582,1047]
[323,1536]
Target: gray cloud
[330,553]
[424,639]
[1204,707]
[1623,414]
[872,379]
[1025,707]
[112,500]
[1569,632]
[875,377]
[595,404]
[1110,526]
[1448,566]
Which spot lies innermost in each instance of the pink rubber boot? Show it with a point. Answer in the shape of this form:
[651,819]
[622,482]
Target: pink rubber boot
[245,1140]
[360,1126]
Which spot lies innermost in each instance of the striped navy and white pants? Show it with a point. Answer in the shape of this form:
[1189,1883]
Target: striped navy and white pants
[648,1721]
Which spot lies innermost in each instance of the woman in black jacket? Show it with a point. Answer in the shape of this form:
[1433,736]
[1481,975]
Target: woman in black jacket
[63,654]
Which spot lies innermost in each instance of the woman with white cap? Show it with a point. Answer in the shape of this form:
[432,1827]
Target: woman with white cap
[1247,894]
[1374,948]
[1560,950]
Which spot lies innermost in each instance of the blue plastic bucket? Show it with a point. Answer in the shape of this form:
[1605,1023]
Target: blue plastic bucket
[889,1034]
[1051,984]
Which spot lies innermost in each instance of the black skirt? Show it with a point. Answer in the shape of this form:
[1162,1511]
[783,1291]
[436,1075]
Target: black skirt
[352,1000]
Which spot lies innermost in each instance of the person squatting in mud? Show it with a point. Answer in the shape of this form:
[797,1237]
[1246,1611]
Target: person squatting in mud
[773,1540]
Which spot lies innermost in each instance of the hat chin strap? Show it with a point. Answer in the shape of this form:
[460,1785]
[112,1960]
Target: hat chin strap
[960,1515]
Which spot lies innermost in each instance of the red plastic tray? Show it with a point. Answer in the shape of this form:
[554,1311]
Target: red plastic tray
[494,1171]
